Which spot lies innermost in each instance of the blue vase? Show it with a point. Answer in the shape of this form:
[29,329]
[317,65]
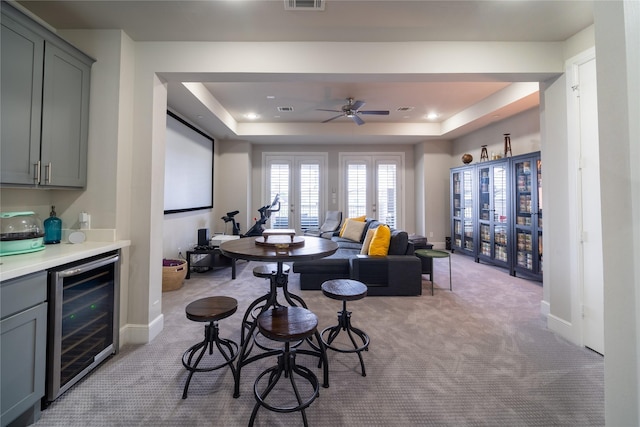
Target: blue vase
[52,228]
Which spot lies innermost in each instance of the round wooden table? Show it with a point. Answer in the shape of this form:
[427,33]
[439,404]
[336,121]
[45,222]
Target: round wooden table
[246,248]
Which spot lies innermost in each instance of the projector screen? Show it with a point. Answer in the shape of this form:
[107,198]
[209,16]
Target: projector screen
[188,169]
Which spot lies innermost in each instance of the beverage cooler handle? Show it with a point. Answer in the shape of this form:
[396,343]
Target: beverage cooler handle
[89,266]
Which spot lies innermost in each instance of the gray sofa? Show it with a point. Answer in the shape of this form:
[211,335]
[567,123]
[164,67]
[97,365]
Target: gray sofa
[398,273]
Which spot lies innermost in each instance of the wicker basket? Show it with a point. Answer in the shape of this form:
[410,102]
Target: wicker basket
[173,273]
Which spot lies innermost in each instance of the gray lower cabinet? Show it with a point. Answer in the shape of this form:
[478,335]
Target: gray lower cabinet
[45,106]
[23,341]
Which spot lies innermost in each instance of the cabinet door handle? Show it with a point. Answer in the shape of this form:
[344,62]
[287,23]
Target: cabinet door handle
[36,172]
[47,178]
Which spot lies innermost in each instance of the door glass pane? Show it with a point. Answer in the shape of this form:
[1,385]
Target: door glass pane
[356,190]
[386,178]
[468,210]
[500,194]
[279,179]
[309,196]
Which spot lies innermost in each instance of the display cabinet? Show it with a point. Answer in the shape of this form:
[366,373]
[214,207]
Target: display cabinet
[496,213]
[527,212]
[462,209]
[493,212]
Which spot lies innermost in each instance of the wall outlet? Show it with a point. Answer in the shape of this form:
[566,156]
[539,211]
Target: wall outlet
[431,234]
[179,250]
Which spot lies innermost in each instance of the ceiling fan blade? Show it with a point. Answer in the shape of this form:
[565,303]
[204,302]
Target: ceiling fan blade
[357,119]
[333,118]
[376,112]
[324,109]
[357,105]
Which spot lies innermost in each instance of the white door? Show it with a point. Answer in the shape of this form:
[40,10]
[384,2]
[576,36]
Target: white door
[592,270]
[299,182]
[371,187]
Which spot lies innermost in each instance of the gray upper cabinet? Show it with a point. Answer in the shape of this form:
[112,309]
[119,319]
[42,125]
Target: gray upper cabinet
[45,106]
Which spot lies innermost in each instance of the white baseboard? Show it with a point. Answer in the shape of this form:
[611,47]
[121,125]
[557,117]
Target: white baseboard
[141,334]
[545,308]
[562,327]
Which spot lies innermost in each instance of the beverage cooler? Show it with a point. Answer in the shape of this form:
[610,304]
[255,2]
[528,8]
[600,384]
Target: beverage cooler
[83,320]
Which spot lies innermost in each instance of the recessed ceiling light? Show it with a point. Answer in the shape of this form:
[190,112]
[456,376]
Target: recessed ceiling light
[271,97]
[251,116]
[432,116]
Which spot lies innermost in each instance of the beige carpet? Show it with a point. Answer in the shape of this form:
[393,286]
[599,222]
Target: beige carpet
[478,356]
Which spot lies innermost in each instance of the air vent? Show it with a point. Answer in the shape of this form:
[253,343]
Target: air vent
[405,108]
[285,109]
[303,4]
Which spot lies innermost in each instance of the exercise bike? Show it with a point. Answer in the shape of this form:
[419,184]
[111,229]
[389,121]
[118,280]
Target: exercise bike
[258,227]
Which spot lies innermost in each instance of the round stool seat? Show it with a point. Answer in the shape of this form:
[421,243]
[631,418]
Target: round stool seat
[344,289]
[266,270]
[287,323]
[210,309]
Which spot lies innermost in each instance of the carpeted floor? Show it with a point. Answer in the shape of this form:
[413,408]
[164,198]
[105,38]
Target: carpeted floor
[478,356]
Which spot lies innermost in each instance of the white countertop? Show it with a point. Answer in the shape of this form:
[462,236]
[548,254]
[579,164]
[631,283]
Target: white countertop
[13,266]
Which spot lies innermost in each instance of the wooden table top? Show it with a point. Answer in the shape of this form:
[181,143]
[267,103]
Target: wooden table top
[246,248]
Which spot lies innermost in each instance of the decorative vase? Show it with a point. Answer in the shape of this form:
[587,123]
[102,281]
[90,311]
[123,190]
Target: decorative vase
[467,158]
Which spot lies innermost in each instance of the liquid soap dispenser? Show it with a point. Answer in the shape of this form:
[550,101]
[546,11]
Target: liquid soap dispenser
[52,228]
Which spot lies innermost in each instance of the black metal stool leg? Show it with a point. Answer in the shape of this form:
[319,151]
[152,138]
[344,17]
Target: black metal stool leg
[344,324]
[211,336]
[286,366]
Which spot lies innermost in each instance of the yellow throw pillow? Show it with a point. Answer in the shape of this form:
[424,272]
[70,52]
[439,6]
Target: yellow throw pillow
[380,243]
[359,218]
[353,230]
[367,242]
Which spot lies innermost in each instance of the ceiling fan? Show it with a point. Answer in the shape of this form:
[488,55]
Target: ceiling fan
[352,110]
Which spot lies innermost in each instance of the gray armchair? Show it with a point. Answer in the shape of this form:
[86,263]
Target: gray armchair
[332,221]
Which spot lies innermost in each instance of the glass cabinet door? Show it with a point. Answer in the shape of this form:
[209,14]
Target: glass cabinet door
[493,213]
[467,192]
[528,216]
[462,215]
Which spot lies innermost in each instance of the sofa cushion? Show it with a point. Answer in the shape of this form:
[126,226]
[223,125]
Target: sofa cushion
[359,218]
[399,242]
[353,230]
[367,242]
[380,243]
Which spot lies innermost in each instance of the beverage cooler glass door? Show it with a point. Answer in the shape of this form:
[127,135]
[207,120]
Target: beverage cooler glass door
[83,320]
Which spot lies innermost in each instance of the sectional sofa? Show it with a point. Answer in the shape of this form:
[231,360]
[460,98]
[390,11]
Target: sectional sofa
[397,273]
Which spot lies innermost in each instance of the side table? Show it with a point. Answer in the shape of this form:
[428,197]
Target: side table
[215,259]
[430,254]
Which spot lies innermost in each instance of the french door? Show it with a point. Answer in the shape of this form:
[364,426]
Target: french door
[371,186]
[300,183]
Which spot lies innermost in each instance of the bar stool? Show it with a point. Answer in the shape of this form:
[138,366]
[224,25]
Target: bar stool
[287,325]
[432,253]
[210,310]
[267,270]
[345,290]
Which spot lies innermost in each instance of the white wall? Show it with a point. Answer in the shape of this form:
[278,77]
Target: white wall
[617,29]
[525,137]
[432,191]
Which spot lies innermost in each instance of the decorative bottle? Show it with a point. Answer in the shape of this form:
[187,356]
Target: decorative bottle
[52,228]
